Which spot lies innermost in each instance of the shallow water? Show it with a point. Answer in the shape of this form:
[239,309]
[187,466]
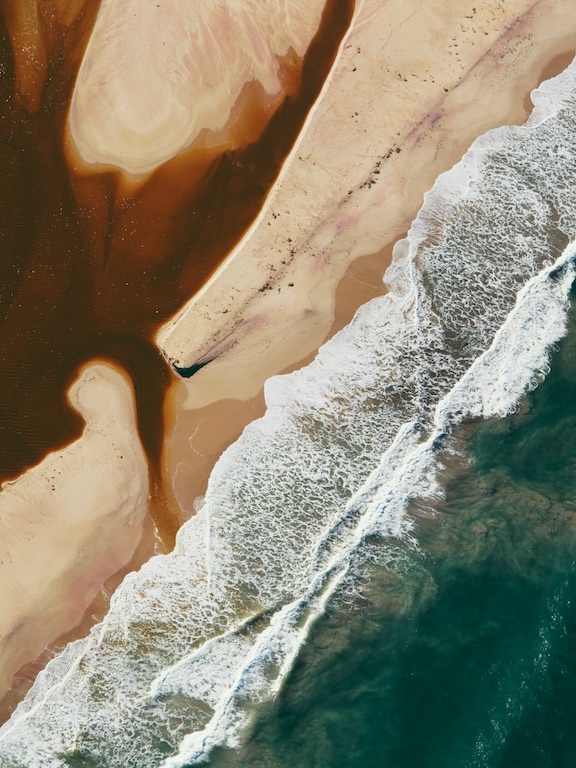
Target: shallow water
[466,654]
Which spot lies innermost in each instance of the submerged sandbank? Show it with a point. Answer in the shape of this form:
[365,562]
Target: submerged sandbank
[160,77]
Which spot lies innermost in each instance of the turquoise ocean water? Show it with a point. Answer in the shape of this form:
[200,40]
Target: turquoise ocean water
[465,656]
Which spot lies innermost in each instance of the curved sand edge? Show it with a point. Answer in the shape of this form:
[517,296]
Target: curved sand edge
[413,85]
[70,522]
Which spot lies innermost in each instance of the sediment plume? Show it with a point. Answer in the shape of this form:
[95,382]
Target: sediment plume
[400,106]
[413,85]
[42,34]
[93,267]
[94,259]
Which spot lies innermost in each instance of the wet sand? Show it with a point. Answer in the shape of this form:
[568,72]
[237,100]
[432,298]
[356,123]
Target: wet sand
[392,116]
[72,522]
[147,546]
[158,78]
[95,261]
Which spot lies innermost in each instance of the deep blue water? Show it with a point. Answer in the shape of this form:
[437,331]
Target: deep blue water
[465,654]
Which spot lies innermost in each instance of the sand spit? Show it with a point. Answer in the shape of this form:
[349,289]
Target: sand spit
[93,264]
[71,522]
[412,86]
[414,83]
[160,76]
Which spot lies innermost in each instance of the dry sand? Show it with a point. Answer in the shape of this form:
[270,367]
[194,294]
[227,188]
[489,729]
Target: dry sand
[71,522]
[414,84]
[412,87]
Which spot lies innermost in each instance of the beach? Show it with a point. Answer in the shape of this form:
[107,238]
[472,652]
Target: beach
[466,78]
[411,87]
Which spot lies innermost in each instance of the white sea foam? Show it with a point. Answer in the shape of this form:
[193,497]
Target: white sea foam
[478,293]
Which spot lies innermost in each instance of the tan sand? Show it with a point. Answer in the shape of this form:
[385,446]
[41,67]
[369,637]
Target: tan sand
[488,64]
[23,680]
[413,85]
[160,76]
[71,522]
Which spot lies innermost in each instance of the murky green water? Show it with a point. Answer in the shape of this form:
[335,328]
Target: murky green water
[466,654]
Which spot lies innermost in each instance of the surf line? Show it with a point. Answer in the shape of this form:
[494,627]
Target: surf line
[492,386]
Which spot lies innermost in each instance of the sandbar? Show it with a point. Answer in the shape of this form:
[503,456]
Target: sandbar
[412,86]
[158,77]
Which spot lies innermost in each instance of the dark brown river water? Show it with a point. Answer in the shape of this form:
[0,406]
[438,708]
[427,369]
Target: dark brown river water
[90,267]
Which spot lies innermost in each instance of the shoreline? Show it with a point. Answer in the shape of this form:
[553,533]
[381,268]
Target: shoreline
[246,302]
[71,522]
[136,107]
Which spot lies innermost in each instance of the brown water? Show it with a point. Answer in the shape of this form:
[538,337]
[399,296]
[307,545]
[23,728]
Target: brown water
[91,266]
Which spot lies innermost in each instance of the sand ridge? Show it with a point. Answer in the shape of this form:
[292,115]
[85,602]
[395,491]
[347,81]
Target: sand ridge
[345,195]
[71,522]
[158,76]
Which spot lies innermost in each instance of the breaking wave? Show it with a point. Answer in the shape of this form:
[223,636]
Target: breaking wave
[478,294]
